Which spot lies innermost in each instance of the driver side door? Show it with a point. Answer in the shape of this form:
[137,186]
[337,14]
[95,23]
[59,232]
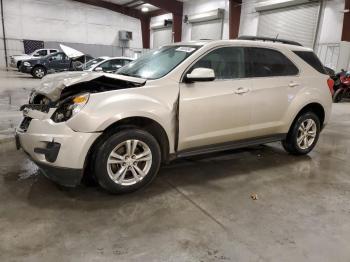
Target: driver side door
[219,111]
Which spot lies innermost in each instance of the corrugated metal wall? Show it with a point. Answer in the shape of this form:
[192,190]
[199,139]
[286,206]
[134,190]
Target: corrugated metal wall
[207,30]
[298,23]
[162,36]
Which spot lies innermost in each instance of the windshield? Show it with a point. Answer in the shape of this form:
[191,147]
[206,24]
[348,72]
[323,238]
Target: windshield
[93,62]
[158,63]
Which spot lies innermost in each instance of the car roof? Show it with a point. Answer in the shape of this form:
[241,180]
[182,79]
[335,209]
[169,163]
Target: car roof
[214,43]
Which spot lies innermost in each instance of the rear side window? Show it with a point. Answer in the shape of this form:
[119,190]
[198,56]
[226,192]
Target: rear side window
[268,63]
[312,60]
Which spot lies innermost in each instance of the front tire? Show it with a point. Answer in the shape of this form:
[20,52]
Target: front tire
[303,135]
[19,65]
[39,72]
[127,161]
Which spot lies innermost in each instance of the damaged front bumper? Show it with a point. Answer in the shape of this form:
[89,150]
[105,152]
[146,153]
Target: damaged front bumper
[58,151]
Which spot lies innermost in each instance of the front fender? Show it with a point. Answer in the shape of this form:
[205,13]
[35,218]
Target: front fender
[107,108]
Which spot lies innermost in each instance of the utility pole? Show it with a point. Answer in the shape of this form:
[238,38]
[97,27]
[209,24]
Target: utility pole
[3,32]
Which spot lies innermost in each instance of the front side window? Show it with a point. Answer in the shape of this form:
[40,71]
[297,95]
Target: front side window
[93,62]
[112,65]
[227,62]
[53,51]
[158,63]
[268,63]
[41,53]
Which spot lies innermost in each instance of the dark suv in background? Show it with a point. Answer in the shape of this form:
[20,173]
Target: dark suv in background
[57,62]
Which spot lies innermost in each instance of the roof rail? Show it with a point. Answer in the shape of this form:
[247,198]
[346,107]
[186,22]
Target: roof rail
[270,39]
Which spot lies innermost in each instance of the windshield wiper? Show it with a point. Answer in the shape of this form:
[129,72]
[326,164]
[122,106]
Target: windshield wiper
[123,74]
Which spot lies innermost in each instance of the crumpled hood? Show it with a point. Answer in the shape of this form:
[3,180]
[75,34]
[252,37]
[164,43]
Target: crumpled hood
[53,85]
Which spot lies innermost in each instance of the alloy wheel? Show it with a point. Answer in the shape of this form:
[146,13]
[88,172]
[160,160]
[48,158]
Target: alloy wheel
[129,162]
[306,134]
[39,72]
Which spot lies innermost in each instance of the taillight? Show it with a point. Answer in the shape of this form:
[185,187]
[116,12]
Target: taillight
[330,83]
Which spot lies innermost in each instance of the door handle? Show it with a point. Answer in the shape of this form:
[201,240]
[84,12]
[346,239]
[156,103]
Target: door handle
[241,90]
[293,84]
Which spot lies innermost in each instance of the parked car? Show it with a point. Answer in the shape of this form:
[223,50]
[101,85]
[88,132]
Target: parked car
[57,62]
[108,65]
[93,62]
[178,101]
[15,60]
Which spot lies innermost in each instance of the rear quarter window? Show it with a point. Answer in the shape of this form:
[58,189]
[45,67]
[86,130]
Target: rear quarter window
[312,60]
[269,63]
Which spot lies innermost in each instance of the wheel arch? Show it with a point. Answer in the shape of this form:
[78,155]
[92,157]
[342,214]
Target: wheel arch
[144,123]
[147,124]
[314,107]
[38,65]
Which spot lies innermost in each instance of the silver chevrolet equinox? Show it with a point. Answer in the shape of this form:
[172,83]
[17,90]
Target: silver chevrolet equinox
[177,101]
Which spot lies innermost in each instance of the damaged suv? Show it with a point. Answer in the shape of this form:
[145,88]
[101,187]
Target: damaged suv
[180,100]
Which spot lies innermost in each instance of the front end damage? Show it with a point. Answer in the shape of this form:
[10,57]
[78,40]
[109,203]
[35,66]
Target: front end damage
[58,150]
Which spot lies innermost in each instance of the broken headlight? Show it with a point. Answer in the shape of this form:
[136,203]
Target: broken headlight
[69,108]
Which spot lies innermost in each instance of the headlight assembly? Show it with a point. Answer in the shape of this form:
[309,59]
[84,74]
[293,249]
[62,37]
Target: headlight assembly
[69,107]
[26,64]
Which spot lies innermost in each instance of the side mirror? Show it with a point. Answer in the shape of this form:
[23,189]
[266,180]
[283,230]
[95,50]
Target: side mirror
[201,75]
[98,69]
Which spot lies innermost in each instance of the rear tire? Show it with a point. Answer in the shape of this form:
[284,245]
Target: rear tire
[127,161]
[303,134]
[39,72]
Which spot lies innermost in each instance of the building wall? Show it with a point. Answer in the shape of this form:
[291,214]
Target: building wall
[201,6]
[64,21]
[96,29]
[157,19]
[331,22]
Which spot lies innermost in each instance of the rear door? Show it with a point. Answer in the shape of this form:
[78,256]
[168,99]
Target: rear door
[58,62]
[275,81]
[217,111]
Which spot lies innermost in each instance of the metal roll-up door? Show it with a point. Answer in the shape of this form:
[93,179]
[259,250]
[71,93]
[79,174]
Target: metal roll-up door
[207,30]
[162,36]
[297,23]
